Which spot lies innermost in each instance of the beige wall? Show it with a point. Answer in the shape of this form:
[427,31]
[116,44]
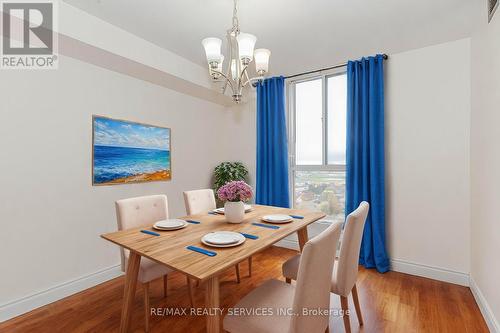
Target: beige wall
[427,133]
[51,215]
[485,165]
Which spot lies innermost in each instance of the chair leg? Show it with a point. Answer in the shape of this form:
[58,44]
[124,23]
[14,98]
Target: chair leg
[288,280]
[190,291]
[249,266]
[165,285]
[237,266]
[146,306]
[327,329]
[345,307]
[356,305]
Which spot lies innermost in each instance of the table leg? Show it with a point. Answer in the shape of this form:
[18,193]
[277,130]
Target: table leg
[249,266]
[303,238]
[212,304]
[134,262]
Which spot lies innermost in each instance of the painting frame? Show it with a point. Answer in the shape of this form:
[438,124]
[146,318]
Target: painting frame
[96,116]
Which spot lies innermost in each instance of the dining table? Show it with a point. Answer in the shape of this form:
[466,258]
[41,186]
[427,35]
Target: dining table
[170,248]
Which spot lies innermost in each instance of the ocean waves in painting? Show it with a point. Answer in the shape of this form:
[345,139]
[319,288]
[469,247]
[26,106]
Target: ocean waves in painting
[115,163]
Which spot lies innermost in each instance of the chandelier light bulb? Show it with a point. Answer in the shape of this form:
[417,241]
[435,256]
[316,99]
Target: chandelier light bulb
[246,44]
[234,69]
[212,50]
[262,61]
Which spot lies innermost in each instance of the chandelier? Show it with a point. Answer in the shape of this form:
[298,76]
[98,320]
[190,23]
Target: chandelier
[241,53]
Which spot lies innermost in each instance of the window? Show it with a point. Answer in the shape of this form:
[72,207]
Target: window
[317,131]
[309,120]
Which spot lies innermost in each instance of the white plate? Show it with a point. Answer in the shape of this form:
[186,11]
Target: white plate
[223,239]
[170,224]
[277,218]
[221,210]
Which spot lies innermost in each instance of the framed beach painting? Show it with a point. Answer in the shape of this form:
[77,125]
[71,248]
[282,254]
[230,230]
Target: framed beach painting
[126,152]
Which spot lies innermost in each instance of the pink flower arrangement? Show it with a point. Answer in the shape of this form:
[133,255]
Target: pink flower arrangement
[235,191]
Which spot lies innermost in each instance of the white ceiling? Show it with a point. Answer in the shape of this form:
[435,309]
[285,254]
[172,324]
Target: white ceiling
[301,34]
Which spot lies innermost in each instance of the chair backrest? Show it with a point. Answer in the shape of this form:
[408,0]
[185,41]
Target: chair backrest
[346,269]
[139,211]
[314,278]
[199,201]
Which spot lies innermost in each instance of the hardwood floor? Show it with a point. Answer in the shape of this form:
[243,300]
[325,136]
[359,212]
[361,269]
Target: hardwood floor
[391,302]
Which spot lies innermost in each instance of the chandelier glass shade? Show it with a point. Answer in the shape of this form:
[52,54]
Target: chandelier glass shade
[241,51]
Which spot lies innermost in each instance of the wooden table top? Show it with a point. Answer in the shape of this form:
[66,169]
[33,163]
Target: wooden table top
[170,248]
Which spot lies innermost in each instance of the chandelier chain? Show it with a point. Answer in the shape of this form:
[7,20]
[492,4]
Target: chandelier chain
[236,24]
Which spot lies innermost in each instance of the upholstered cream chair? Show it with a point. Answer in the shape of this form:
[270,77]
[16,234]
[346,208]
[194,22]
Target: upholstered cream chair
[275,297]
[142,211]
[201,202]
[345,271]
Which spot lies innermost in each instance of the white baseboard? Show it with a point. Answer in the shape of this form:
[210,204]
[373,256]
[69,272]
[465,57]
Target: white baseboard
[407,267]
[488,315]
[25,304]
[431,272]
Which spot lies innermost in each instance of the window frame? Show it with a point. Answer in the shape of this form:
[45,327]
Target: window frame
[291,127]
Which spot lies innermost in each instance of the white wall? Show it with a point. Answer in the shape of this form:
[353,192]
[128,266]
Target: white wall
[427,133]
[51,215]
[485,167]
[243,136]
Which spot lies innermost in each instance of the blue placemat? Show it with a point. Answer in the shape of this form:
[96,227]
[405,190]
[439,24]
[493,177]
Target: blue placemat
[202,251]
[266,225]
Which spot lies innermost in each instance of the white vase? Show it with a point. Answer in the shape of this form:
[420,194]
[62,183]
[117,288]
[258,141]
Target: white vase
[234,211]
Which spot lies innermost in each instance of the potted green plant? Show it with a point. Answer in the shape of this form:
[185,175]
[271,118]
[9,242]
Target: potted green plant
[227,172]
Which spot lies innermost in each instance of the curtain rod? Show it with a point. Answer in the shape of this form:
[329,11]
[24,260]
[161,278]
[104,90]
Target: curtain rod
[326,69]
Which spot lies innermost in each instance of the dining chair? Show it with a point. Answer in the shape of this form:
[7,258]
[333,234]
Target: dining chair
[345,270]
[266,308]
[144,211]
[202,202]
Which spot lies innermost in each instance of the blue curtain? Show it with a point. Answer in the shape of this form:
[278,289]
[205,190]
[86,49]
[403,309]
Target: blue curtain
[272,152]
[365,160]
